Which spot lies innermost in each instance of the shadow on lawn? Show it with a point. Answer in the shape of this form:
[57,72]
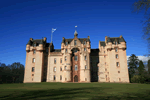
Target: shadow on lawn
[74,94]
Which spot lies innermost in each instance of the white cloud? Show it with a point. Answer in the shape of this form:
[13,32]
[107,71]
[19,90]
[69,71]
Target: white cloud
[143,58]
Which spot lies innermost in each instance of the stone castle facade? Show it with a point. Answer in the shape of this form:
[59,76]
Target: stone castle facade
[76,61]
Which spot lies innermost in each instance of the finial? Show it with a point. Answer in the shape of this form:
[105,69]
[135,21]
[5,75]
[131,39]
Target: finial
[75,33]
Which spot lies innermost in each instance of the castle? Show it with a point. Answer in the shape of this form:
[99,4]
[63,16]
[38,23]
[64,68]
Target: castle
[76,61]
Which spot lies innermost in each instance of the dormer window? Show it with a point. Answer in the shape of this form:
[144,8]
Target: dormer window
[66,43]
[115,42]
[34,45]
[84,42]
[75,42]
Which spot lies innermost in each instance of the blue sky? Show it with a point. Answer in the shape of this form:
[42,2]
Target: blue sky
[24,19]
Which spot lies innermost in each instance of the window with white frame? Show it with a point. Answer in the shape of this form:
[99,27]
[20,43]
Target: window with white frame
[85,67]
[54,69]
[76,67]
[75,58]
[116,55]
[54,60]
[33,60]
[85,57]
[65,58]
[117,63]
[75,42]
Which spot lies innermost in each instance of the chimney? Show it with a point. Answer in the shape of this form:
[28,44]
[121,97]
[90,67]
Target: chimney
[45,38]
[106,39]
[88,37]
[120,36]
[31,39]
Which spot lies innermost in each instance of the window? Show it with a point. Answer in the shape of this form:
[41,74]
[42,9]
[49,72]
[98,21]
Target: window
[33,60]
[104,51]
[54,69]
[116,50]
[76,67]
[97,59]
[116,55]
[84,49]
[118,71]
[47,50]
[106,77]
[105,63]
[104,47]
[61,60]
[117,63]
[34,51]
[32,69]
[32,74]
[71,68]
[65,67]
[60,77]
[75,58]
[84,42]
[104,56]
[34,45]
[98,68]
[60,68]
[66,50]
[32,79]
[115,42]
[105,69]
[54,60]
[65,79]
[119,79]
[85,67]
[66,43]
[85,57]
[65,58]
[85,79]
[54,78]
[75,42]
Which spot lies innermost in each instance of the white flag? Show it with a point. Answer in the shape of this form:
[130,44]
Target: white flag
[53,30]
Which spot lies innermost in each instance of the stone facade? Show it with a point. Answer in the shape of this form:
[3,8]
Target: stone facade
[76,61]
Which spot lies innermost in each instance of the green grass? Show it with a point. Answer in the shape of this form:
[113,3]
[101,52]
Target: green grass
[75,91]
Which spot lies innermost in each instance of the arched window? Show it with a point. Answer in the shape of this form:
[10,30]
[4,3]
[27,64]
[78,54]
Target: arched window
[76,67]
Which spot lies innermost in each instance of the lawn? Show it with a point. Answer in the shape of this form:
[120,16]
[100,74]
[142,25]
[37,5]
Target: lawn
[75,91]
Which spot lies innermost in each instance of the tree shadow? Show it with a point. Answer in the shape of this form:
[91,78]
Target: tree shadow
[92,93]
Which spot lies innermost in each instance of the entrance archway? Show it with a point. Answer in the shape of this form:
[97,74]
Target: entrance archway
[76,78]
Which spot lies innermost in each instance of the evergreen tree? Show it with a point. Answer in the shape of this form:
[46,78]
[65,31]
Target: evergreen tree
[132,64]
[141,68]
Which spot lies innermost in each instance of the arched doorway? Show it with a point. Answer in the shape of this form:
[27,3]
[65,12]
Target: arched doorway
[76,78]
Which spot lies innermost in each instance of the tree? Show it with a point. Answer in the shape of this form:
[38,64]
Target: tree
[132,64]
[144,5]
[141,68]
[149,66]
